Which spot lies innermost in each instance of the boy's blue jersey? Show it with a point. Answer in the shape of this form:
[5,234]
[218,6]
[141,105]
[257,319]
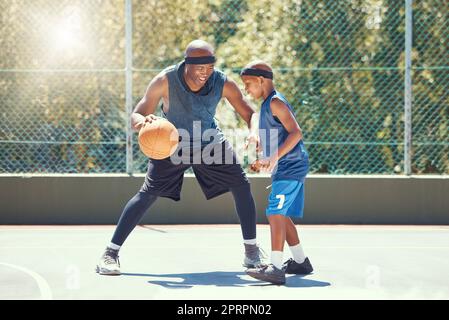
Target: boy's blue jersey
[295,164]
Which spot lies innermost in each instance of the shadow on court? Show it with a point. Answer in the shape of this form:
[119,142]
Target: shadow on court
[221,279]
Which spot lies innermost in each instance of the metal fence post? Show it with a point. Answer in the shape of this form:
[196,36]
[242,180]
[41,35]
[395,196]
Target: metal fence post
[408,88]
[129,85]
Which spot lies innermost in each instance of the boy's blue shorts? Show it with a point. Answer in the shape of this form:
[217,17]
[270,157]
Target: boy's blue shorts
[286,198]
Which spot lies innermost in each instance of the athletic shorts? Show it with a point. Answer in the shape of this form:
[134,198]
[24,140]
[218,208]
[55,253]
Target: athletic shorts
[286,198]
[215,167]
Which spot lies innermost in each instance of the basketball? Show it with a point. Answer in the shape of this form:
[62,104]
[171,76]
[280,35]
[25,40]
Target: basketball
[158,139]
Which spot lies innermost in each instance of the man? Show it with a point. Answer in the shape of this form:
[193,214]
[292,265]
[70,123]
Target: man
[190,92]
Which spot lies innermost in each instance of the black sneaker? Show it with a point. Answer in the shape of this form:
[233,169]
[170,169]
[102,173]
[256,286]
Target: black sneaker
[267,273]
[292,267]
[109,263]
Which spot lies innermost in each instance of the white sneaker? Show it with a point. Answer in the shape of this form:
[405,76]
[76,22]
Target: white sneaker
[109,263]
[253,256]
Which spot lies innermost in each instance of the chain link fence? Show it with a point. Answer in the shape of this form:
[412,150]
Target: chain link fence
[63,77]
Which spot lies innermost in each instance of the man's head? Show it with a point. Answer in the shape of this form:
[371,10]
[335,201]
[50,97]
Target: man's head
[257,77]
[200,61]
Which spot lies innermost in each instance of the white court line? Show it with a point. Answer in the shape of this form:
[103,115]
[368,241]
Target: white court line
[44,288]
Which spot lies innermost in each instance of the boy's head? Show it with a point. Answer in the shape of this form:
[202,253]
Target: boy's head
[257,77]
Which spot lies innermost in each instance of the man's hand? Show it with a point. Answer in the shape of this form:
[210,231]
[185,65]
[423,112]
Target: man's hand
[255,166]
[253,138]
[148,119]
[264,165]
[151,117]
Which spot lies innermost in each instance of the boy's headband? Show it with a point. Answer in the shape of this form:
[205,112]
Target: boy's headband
[257,72]
[200,60]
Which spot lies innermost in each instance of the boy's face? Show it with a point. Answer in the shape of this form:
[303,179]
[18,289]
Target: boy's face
[253,86]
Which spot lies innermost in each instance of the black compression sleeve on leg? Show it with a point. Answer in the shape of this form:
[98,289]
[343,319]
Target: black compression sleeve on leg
[131,215]
[246,210]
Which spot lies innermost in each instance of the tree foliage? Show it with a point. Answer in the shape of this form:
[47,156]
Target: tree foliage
[339,63]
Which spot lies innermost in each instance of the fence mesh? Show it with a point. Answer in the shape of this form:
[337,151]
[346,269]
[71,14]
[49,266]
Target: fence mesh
[431,87]
[339,63]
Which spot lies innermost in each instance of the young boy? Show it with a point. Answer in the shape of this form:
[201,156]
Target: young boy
[285,156]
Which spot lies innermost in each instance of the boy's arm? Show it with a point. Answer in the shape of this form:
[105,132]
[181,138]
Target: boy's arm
[282,112]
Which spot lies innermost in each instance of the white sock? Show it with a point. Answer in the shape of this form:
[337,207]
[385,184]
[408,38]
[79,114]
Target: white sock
[250,241]
[298,253]
[113,246]
[276,258]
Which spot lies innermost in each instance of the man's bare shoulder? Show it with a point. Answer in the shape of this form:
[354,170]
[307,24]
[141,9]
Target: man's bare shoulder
[161,76]
[160,81]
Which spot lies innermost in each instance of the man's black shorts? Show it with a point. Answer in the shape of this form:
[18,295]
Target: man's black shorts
[215,167]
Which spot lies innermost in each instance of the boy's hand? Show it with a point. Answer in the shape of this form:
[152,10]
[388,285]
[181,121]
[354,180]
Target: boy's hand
[269,164]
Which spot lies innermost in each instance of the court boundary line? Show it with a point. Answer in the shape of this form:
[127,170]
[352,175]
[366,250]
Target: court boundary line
[44,287]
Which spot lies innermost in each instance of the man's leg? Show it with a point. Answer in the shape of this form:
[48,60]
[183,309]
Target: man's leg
[132,213]
[131,216]
[246,210]
[163,179]
[225,174]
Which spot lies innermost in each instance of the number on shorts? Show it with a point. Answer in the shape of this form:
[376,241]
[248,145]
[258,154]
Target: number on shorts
[281,198]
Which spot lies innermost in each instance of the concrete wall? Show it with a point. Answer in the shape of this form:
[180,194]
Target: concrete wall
[99,199]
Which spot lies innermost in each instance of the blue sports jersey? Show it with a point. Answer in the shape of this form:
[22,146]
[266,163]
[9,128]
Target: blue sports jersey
[295,164]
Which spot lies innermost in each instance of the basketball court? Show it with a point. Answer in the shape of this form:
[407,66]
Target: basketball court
[365,118]
[190,262]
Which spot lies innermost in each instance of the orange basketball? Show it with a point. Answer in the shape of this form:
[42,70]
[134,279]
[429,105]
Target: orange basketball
[158,139]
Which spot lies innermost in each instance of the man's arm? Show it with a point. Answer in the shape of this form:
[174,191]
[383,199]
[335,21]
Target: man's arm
[235,97]
[147,105]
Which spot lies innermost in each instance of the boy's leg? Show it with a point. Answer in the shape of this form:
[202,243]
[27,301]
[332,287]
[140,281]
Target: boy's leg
[296,209]
[291,232]
[300,264]
[278,231]
[273,272]
[278,234]
[293,242]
